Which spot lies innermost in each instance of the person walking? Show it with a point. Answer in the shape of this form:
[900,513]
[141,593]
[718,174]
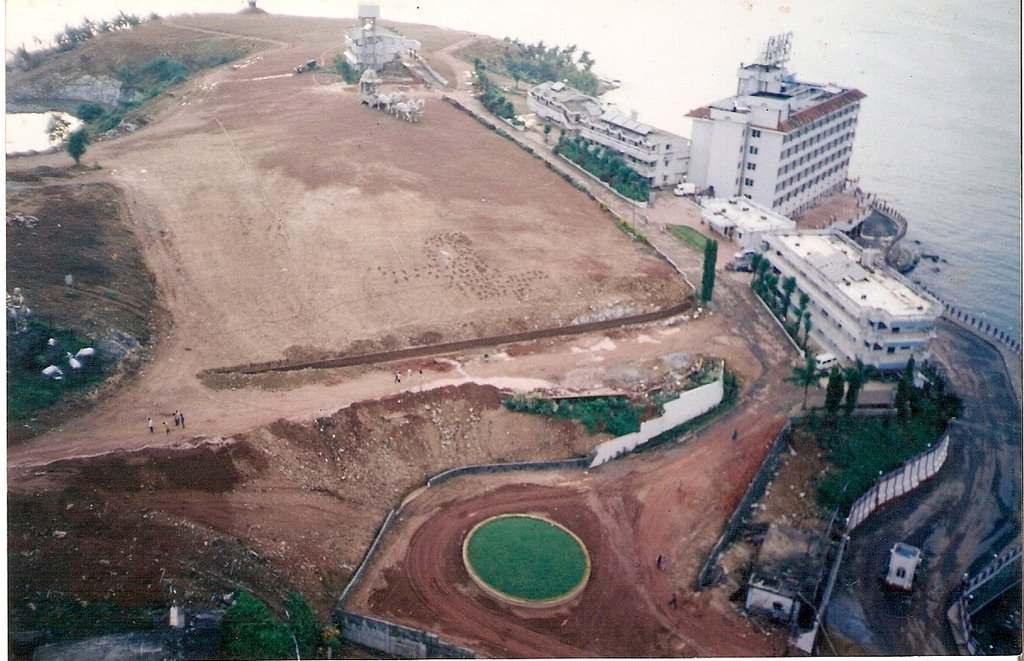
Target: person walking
[175,418]
[181,418]
[167,429]
[149,423]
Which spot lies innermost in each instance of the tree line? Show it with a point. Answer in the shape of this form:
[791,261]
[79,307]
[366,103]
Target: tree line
[491,96]
[72,35]
[537,63]
[606,165]
[862,449]
[779,299]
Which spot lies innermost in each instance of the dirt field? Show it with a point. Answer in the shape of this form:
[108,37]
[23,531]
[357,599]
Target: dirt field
[282,220]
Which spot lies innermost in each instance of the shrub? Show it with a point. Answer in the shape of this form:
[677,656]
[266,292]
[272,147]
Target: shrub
[252,632]
[614,415]
[88,112]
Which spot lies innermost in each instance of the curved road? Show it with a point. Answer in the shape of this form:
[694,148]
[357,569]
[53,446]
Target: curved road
[959,518]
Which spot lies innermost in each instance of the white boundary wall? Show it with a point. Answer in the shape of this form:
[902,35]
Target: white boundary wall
[684,408]
[898,482]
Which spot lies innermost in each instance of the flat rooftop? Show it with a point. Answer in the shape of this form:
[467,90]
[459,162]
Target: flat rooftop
[745,215]
[838,261]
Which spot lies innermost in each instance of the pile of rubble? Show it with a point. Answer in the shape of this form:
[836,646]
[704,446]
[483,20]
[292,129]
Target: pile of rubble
[18,218]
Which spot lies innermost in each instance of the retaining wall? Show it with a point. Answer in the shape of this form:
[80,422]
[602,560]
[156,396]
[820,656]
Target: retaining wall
[739,519]
[684,408]
[395,640]
[898,482]
[460,345]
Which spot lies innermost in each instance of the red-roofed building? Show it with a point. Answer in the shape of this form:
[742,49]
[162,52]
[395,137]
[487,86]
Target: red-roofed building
[783,143]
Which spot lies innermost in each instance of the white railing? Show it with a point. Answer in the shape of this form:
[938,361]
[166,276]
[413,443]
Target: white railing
[898,482]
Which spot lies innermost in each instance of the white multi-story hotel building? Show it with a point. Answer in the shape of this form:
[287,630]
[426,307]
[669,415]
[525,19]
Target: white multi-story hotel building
[783,143]
[859,308]
[659,156]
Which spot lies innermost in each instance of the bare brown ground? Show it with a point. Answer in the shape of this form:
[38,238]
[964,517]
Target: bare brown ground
[626,514]
[281,219]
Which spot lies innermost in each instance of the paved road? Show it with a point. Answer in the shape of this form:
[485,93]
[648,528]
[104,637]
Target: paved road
[967,512]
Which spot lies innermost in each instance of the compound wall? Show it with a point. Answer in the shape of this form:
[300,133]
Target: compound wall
[686,407]
[898,482]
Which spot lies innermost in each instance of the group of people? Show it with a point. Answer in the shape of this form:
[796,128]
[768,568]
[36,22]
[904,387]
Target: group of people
[179,420]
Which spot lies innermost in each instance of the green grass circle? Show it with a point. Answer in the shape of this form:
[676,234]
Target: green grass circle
[526,559]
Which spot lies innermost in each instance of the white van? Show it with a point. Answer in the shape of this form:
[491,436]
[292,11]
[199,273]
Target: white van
[825,361]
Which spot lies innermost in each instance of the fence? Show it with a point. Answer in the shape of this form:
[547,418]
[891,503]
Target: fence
[898,482]
[738,521]
[686,407]
[960,614]
[984,327]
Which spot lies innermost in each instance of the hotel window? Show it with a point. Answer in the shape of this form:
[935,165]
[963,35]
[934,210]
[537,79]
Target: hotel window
[748,182]
[751,166]
[753,150]
[756,133]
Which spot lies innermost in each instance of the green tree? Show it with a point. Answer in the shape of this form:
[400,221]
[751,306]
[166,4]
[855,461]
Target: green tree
[834,391]
[807,328]
[57,128]
[788,286]
[77,143]
[805,375]
[854,383]
[707,283]
[89,111]
[905,391]
[252,632]
[347,72]
[302,624]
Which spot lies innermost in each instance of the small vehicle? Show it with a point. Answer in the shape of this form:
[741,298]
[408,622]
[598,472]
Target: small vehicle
[825,361]
[684,188]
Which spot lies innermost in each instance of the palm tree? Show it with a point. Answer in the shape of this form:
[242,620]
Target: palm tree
[854,383]
[805,375]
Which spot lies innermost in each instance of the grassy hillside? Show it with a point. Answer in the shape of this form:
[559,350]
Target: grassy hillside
[121,55]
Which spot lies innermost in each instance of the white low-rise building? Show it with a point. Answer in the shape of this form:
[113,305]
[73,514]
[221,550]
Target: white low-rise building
[659,156]
[372,46]
[743,221]
[783,143]
[859,307]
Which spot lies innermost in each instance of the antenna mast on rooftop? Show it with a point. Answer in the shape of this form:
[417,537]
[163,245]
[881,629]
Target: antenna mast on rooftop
[776,51]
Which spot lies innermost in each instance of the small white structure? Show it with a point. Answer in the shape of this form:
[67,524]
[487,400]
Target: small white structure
[743,221]
[903,562]
[374,46]
[789,567]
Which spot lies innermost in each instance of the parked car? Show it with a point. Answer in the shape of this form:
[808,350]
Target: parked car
[684,188]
